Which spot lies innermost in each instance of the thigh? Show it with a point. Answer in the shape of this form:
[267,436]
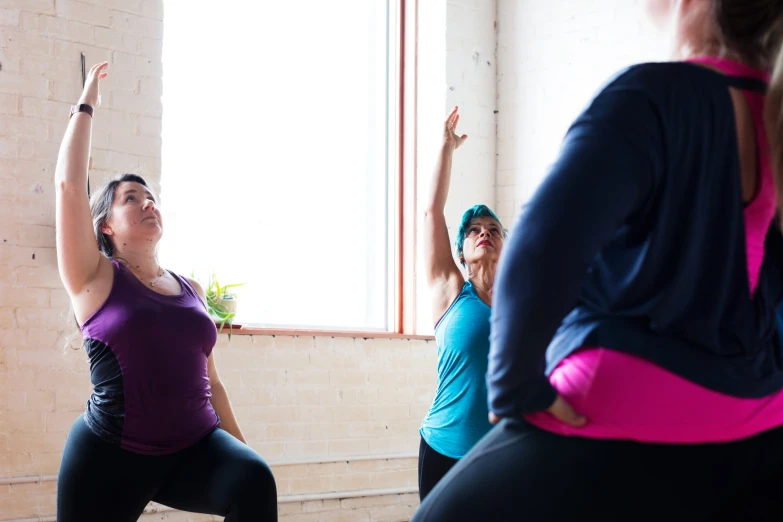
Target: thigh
[521,472]
[221,476]
[761,497]
[432,467]
[99,481]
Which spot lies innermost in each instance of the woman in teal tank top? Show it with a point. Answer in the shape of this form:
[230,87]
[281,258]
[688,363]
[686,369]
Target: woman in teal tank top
[458,417]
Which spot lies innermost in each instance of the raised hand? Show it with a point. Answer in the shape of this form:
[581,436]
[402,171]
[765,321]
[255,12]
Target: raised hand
[450,137]
[92,94]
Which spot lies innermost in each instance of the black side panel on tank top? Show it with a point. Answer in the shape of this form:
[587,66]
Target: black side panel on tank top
[105,413]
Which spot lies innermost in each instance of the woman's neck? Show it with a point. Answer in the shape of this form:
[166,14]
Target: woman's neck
[482,277]
[142,261]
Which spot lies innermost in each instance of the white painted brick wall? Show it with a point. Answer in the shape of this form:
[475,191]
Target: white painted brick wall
[43,389]
[553,55]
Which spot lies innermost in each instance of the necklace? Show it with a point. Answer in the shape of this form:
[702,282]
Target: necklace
[152,283]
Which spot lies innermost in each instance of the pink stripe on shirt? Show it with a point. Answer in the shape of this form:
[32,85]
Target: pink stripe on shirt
[626,397]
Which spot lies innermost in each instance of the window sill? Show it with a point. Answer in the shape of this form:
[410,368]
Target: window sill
[301,332]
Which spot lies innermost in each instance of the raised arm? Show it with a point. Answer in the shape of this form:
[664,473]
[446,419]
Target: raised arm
[78,257]
[443,276]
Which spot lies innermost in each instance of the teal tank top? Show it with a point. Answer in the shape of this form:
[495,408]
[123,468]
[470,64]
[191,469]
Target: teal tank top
[458,416]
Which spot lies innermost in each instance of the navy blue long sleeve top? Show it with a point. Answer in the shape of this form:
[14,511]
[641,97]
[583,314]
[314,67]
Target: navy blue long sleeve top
[635,241]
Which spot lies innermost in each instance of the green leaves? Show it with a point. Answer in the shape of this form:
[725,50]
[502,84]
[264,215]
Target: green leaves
[221,304]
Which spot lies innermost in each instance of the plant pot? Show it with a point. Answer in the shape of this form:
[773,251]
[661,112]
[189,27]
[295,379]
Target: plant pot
[229,304]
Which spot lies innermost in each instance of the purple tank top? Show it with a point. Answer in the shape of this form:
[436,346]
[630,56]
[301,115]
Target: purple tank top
[148,365]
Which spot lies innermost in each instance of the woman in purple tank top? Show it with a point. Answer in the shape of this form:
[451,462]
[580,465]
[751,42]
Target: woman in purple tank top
[158,425]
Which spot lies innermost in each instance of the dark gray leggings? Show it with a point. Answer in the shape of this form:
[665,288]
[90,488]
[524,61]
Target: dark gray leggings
[432,467]
[519,472]
[219,475]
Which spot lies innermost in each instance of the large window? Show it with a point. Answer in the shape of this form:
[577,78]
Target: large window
[280,156]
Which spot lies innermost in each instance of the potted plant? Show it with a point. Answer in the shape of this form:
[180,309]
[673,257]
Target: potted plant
[221,303]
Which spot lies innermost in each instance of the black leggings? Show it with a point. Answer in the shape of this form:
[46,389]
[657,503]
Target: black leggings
[520,472]
[219,475]
[432,467]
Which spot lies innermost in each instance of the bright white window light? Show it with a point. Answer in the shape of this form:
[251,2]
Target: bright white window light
[276,154]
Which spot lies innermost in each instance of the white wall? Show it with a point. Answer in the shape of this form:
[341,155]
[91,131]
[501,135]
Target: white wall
[457,66]
[553,55]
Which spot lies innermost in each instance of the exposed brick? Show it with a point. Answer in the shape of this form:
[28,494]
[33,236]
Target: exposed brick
[64,91]
[7,318]
[150,126]
[37,442]
[35,149]
[25,297]
[45,109]
[137,25]
[71,51]
[14,83]
[88,13]
[138,64]
[286,432]
[395,512]
[352,413]
[348,378]
[8,147]
[305,449]
[44,318]
[136,103]
[151,86]
[59,299]
[138,145]
[131,6]
[9,17]
[35,236]
[113,39]
[153,9]
[29,21]
[113,160]
[11,61]
[27,43]
[36,129]
[152,48]
[50,67]
[33,6]
[26,421]
[61,420]
[346,447]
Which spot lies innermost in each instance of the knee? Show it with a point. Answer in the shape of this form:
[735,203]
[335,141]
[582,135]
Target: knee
[258,480]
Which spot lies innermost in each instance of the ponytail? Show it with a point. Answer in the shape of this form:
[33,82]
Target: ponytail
[773,120]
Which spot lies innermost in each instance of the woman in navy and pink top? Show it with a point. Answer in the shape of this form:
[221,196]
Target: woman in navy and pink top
[635,358]
[158,425]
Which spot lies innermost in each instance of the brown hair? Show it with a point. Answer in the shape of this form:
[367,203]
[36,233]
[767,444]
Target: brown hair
[754,30]
[100,208]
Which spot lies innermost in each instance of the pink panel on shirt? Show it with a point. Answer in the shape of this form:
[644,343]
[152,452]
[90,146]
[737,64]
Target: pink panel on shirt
[627,397]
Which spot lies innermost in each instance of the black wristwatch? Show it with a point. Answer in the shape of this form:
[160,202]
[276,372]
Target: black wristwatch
[82,107]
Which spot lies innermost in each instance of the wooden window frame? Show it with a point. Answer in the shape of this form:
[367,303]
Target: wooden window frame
[404,262]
